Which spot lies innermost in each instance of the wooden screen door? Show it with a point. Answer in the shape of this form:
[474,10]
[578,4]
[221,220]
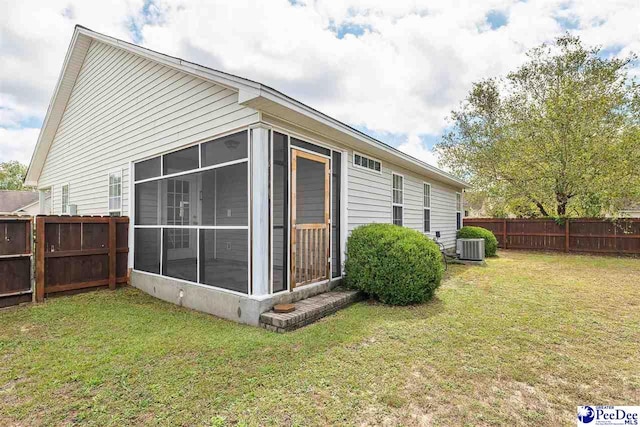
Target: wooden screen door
[310,228]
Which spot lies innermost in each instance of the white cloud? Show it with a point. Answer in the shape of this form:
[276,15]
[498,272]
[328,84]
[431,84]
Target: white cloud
[412,64]
[414,147]
[17,144]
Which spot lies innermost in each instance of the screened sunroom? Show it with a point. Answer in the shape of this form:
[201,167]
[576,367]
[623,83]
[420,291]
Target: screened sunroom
[254,212]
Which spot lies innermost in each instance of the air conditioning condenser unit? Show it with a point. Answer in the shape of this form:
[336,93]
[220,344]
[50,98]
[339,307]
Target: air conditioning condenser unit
[470,249]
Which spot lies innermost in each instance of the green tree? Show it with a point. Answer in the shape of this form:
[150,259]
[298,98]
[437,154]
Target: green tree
[560,136]
[12,175]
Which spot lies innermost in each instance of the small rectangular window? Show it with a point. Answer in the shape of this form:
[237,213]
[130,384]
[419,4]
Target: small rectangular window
[398,199]
[426,207]
[65,199]
[366,162]
[115,192]
[398,189]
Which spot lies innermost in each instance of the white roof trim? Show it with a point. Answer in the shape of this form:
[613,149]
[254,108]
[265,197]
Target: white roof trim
[248,91]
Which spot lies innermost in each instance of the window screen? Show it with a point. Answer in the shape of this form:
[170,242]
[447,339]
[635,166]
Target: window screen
[280,206]
[310,147]
[148,169]
[170,211]
[225,149]
[224,259]
[147,250]
[179,247]
[336,175]
[181,161]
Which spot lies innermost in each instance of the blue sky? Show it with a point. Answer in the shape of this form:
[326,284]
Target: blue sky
[394,70]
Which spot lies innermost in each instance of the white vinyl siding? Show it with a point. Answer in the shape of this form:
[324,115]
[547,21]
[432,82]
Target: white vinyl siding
[126,108]
[369,200]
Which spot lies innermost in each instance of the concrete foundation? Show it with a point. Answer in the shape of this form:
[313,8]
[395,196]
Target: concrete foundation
[239,308]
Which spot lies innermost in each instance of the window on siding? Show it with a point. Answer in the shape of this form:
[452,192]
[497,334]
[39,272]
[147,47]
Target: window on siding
[366,162]
[65,199]
[426,207]
[115,193]
[398,199]
[458,211]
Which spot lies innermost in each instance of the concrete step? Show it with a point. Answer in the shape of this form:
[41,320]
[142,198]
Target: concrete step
[308,310]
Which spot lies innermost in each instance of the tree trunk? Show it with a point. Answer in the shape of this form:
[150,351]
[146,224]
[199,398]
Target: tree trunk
[541,208]
[563,200]
[562,208]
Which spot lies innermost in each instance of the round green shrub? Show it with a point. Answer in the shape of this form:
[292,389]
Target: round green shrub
[395,265]
[490,241]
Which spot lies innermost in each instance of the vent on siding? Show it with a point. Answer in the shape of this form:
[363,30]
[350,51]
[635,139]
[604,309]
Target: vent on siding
[471,249]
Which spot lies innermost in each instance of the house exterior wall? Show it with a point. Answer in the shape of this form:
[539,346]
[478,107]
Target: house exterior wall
[126,108]
[370,193]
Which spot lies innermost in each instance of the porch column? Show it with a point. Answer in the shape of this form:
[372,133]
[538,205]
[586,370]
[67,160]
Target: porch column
[260,210]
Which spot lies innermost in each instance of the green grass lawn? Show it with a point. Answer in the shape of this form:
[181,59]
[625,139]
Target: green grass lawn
[524,340]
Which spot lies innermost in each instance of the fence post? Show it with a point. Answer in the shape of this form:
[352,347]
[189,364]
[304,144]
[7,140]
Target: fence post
[39,256]
[112,252]
[566,235]
[504,233]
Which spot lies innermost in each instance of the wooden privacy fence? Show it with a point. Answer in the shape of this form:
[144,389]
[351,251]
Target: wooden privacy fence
[574,235]
[76,252]
[15,260]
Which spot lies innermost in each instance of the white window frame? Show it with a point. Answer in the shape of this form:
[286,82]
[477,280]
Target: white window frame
[110,210]
[393,203]
[353,160]
[64,209]
[426,208]
[458,209]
